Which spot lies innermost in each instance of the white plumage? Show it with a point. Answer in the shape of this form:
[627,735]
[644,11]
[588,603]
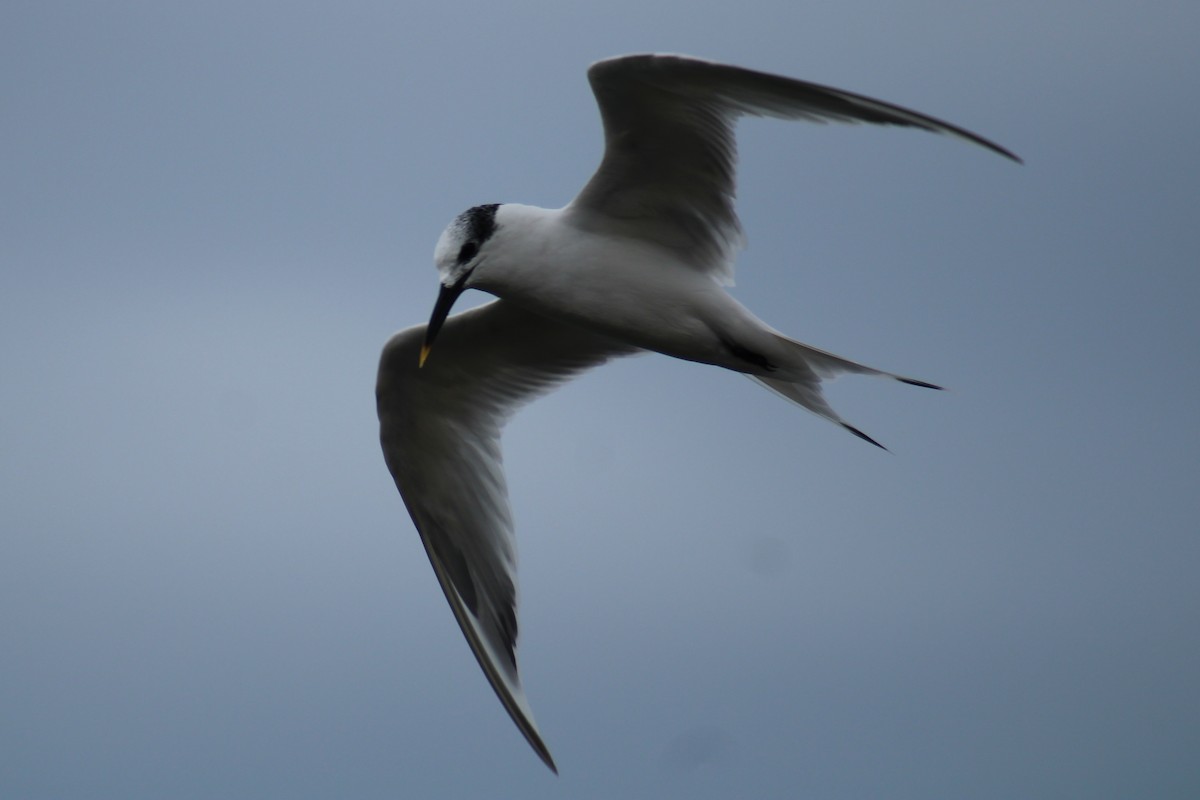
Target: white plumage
[637,261]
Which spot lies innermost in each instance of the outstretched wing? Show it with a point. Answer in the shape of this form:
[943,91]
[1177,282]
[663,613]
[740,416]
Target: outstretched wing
[668,170]
[440,429]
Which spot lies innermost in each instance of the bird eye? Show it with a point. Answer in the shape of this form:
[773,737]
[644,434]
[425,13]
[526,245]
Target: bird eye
[467,252]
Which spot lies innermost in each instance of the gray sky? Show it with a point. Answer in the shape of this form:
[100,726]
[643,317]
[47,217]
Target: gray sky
[214,214]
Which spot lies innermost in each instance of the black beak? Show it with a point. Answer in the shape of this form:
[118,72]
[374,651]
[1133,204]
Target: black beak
[441,309]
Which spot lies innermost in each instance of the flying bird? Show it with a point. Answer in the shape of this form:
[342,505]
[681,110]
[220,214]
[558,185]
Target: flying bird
[638,261]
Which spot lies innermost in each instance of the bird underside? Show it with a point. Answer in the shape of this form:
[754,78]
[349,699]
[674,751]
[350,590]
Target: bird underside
[665,184]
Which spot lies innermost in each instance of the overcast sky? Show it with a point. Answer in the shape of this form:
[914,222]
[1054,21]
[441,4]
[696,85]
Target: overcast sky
[212,215]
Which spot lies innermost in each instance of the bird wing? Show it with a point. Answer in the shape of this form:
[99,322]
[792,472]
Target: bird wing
[440,430]
[668,172]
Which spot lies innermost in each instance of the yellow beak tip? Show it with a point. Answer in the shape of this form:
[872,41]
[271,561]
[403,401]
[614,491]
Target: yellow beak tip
[424,355]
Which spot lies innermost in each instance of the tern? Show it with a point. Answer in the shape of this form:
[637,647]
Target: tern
[638,261]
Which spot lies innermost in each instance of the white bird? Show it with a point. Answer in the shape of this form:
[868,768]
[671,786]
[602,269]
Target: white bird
[637,261]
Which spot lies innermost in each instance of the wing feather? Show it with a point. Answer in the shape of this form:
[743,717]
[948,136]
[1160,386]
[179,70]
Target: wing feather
[440,429]
[669,166]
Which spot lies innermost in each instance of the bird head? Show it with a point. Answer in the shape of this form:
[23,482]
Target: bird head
[460,249]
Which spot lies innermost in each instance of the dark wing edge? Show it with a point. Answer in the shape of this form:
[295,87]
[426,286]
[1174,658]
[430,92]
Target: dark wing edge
[668,172]
[440,431]
[746,91]
[510,693]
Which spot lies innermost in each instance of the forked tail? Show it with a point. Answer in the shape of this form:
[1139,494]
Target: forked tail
[807,367]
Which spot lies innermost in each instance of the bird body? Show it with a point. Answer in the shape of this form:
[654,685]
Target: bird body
[637,262]
[615,285]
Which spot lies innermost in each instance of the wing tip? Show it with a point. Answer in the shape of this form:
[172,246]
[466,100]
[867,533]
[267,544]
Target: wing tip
[546,758]
[995,148]
[922,384]
[506,685]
